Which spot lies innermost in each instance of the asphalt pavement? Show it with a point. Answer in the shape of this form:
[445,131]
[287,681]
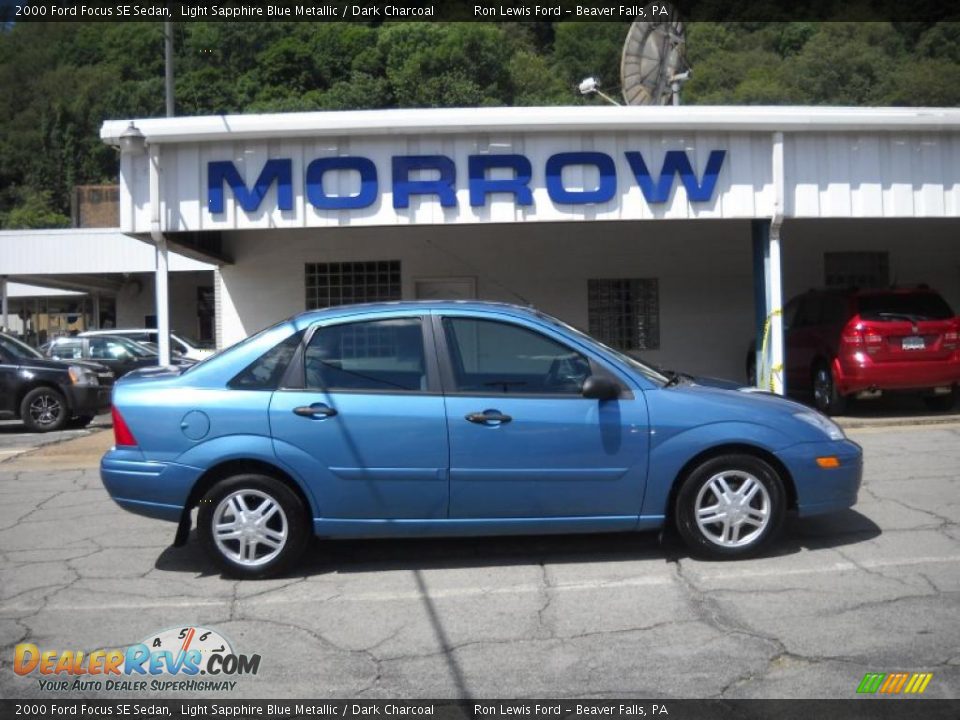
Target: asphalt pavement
[872,589]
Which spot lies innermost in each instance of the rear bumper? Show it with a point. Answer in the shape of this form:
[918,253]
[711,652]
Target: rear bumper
[907,375]
[822,490]
[157,490]
[91,400]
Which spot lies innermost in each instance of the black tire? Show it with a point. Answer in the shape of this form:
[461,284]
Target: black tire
[941,403]
[721,540]
[826,398]
[80,421]
[267,560]
[44,409]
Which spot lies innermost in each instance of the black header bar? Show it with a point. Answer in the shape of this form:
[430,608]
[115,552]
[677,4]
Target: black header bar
[376,11]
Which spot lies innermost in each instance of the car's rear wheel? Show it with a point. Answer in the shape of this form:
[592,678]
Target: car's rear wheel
[730,506]
[826,398]
[941,403]
[253,525]
[44,409]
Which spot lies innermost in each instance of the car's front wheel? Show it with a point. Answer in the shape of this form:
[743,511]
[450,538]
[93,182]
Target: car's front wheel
[44,409]
[730,506]
[253,525]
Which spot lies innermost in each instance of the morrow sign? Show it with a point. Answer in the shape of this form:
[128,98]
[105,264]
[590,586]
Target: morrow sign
[279,172]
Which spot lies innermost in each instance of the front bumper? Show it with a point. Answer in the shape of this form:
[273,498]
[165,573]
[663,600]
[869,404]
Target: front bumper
[823,490]
[89,399]
[157,490]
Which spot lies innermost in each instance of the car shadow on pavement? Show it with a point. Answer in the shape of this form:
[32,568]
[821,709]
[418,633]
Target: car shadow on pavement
[359,556]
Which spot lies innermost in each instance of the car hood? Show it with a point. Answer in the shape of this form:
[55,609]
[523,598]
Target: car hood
[52,364]
[689,405]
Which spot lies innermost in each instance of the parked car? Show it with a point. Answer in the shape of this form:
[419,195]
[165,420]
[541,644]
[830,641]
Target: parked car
[178,344]
[49,394]
[862,343]
[458,418]
[120,354]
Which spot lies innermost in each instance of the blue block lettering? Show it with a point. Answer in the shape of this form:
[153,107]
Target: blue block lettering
[676,162]
[368,183]
[601,194]
[481,186]
[404,187]
[219,172]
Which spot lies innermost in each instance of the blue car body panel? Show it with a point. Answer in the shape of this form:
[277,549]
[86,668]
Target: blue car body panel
[410,463]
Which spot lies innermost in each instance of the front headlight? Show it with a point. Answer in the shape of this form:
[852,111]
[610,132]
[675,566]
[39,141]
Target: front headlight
[823,423]
[82,376]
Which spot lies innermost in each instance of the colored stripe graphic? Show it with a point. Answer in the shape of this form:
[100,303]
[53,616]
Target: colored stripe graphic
[895,683]
[871,682]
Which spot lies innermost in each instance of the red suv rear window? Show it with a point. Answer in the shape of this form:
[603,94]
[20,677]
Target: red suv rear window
[903,306]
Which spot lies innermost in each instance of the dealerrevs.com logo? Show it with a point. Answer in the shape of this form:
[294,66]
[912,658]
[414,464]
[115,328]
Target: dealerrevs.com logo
[178,659]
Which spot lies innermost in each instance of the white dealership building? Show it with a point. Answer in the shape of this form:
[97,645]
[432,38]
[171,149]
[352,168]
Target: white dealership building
[674,232]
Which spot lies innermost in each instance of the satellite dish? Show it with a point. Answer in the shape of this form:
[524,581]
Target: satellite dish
[653,58]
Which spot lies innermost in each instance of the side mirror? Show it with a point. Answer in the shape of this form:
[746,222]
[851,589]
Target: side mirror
[600,388]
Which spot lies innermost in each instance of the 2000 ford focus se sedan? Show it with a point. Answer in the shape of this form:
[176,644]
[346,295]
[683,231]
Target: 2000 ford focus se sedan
[453,418]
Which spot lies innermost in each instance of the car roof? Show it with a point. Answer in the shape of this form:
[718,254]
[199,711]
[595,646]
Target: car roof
[418,306]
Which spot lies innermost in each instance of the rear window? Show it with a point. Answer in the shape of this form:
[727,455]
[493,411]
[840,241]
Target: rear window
[904,306]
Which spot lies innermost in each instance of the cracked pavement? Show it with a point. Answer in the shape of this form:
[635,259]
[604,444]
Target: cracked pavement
[874,589]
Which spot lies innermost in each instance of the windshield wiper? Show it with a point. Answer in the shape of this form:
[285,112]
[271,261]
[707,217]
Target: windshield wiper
[676,377]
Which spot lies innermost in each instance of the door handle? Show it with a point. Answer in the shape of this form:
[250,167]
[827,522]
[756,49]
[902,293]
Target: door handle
[317,410]
[488,417]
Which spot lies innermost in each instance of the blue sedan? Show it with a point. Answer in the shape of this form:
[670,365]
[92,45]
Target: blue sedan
[458,418]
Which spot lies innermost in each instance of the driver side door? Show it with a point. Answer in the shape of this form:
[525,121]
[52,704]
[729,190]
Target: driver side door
[524,442]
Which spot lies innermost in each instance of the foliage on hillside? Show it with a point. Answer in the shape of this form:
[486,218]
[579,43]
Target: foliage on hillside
[58,82]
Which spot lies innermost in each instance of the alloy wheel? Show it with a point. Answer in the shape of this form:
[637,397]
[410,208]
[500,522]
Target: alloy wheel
[250,528]
[732,509]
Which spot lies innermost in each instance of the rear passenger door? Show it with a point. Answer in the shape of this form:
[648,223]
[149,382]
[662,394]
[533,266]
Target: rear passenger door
[363,422]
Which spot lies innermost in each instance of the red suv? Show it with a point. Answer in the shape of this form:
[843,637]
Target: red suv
[843,343]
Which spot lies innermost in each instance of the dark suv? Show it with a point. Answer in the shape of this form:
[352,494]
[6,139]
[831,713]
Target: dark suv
[860,343]
[50,394]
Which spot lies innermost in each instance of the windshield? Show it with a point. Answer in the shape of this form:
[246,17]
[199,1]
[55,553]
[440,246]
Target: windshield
[904,306]
[18,349]
[134,348]
[648,372]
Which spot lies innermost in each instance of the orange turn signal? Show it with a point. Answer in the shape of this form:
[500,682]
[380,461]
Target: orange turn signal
[828,462]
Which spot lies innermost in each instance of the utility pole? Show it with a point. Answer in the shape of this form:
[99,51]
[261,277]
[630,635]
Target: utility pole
[168,64]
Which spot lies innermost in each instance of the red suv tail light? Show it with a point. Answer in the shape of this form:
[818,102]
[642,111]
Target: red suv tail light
[121,433]
[856,336]
[952,337]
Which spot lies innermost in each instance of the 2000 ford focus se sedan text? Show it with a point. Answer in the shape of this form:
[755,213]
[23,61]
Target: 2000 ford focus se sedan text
[456,418]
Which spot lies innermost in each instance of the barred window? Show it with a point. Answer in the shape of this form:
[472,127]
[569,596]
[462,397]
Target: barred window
[343,283]
[856,269]
[625,313]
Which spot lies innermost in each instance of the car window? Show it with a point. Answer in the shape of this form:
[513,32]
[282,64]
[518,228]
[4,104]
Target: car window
[67,350]
[266,372]
[790,313]
[808,313]
[493,357]
[16,349]
[376,355]
[108,349]
[834,310]
[904,306]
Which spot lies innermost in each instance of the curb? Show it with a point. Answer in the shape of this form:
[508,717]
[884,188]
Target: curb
[848,423]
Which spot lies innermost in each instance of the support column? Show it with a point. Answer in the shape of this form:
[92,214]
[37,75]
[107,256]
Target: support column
[95,310]
[4,304]
[162,294]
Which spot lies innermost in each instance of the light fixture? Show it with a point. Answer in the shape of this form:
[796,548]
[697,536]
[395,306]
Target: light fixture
[590,86]
[132,140]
